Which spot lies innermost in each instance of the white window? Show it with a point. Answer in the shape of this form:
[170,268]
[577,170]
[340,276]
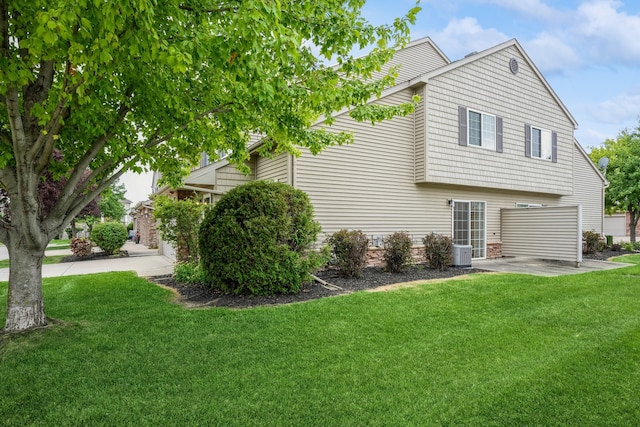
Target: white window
[541,143]
[482,130]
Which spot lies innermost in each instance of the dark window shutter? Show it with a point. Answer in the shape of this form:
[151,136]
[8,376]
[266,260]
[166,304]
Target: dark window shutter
[499,136]
[527,140]
[462,125]
[554,147]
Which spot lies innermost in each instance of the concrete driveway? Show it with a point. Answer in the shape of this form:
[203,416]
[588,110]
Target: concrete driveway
[540,267]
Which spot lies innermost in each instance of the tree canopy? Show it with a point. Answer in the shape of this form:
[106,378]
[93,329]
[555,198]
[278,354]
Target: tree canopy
[623,174]
[132,84]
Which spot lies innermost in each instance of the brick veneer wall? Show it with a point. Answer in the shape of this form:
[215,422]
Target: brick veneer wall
[494,250]
[146,226]
[375,254]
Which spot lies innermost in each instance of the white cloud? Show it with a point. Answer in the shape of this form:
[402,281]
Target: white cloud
[551,54]
[607,33]
[619,109]
[463,36]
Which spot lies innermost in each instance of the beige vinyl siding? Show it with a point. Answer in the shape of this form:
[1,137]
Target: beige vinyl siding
[369,185]
[588,192]
[275,169]
[420,141]
[487,85]
[228,177]
[416,59]
[548,233]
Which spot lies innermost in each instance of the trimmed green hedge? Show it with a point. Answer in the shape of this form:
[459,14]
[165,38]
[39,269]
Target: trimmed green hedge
[109,236]
[257,238]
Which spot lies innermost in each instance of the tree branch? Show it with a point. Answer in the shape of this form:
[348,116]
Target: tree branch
[44,144]
[222,108]
[73,183]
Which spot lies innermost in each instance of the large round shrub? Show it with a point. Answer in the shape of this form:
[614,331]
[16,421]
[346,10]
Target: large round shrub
[257,238]
[109,236]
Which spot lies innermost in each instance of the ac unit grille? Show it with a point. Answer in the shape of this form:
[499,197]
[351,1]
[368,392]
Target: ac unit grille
[462,255]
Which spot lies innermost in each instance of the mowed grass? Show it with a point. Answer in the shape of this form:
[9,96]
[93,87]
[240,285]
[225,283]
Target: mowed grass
[488,349]
[53,259]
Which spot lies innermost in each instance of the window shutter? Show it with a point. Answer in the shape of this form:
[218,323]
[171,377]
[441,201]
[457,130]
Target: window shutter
[462,125]
[499,134]
[527,140]
[554,147]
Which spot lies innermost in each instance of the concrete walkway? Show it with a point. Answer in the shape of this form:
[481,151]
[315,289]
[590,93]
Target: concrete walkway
[142,260]
[540,267]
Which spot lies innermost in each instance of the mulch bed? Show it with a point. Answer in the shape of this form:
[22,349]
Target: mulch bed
[95,256]
[371,277]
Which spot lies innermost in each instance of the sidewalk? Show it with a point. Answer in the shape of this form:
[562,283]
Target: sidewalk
[142,260]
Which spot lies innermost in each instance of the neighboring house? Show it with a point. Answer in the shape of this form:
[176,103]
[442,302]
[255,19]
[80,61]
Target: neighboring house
[489,136]
[145,224]
[617,225]
[126,203]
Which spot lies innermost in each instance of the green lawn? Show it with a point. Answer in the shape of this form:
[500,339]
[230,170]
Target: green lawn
[490,349]
[54,259]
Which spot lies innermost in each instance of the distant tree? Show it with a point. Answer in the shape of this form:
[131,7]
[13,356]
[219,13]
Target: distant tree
[110,202]
[623,174]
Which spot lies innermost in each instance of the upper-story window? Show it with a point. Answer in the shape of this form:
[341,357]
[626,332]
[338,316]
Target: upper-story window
[540,143]
[480,129]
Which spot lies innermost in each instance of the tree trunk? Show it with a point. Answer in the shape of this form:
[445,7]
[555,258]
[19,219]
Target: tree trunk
[25,303]
[633,222]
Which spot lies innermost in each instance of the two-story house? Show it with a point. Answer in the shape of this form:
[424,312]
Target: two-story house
[488,136]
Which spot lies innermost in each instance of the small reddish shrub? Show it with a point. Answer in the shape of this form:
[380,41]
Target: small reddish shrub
[350,251]
[80,247]
[397,252]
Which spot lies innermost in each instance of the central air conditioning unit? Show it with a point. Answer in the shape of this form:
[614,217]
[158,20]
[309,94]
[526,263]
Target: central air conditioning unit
[462,255]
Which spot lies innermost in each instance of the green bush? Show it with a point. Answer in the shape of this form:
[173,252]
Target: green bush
[80,247]
[189,273]
[109,236]
[438,251]
[178,223]
[591,240]
[349,249]
[257,239]
[631,247]
[397,252]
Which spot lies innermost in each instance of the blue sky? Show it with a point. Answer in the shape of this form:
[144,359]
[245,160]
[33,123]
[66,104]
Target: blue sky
[589,50]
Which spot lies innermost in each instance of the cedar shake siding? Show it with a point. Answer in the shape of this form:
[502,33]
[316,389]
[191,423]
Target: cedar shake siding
[487,85]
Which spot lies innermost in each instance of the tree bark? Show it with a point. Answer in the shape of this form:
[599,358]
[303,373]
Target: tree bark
[25,303]
[633,222]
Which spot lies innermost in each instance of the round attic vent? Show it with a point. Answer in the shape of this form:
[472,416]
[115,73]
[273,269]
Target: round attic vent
[513,65]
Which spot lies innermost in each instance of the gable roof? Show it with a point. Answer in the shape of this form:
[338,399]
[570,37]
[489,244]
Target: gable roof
[428,41]
[424,78]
